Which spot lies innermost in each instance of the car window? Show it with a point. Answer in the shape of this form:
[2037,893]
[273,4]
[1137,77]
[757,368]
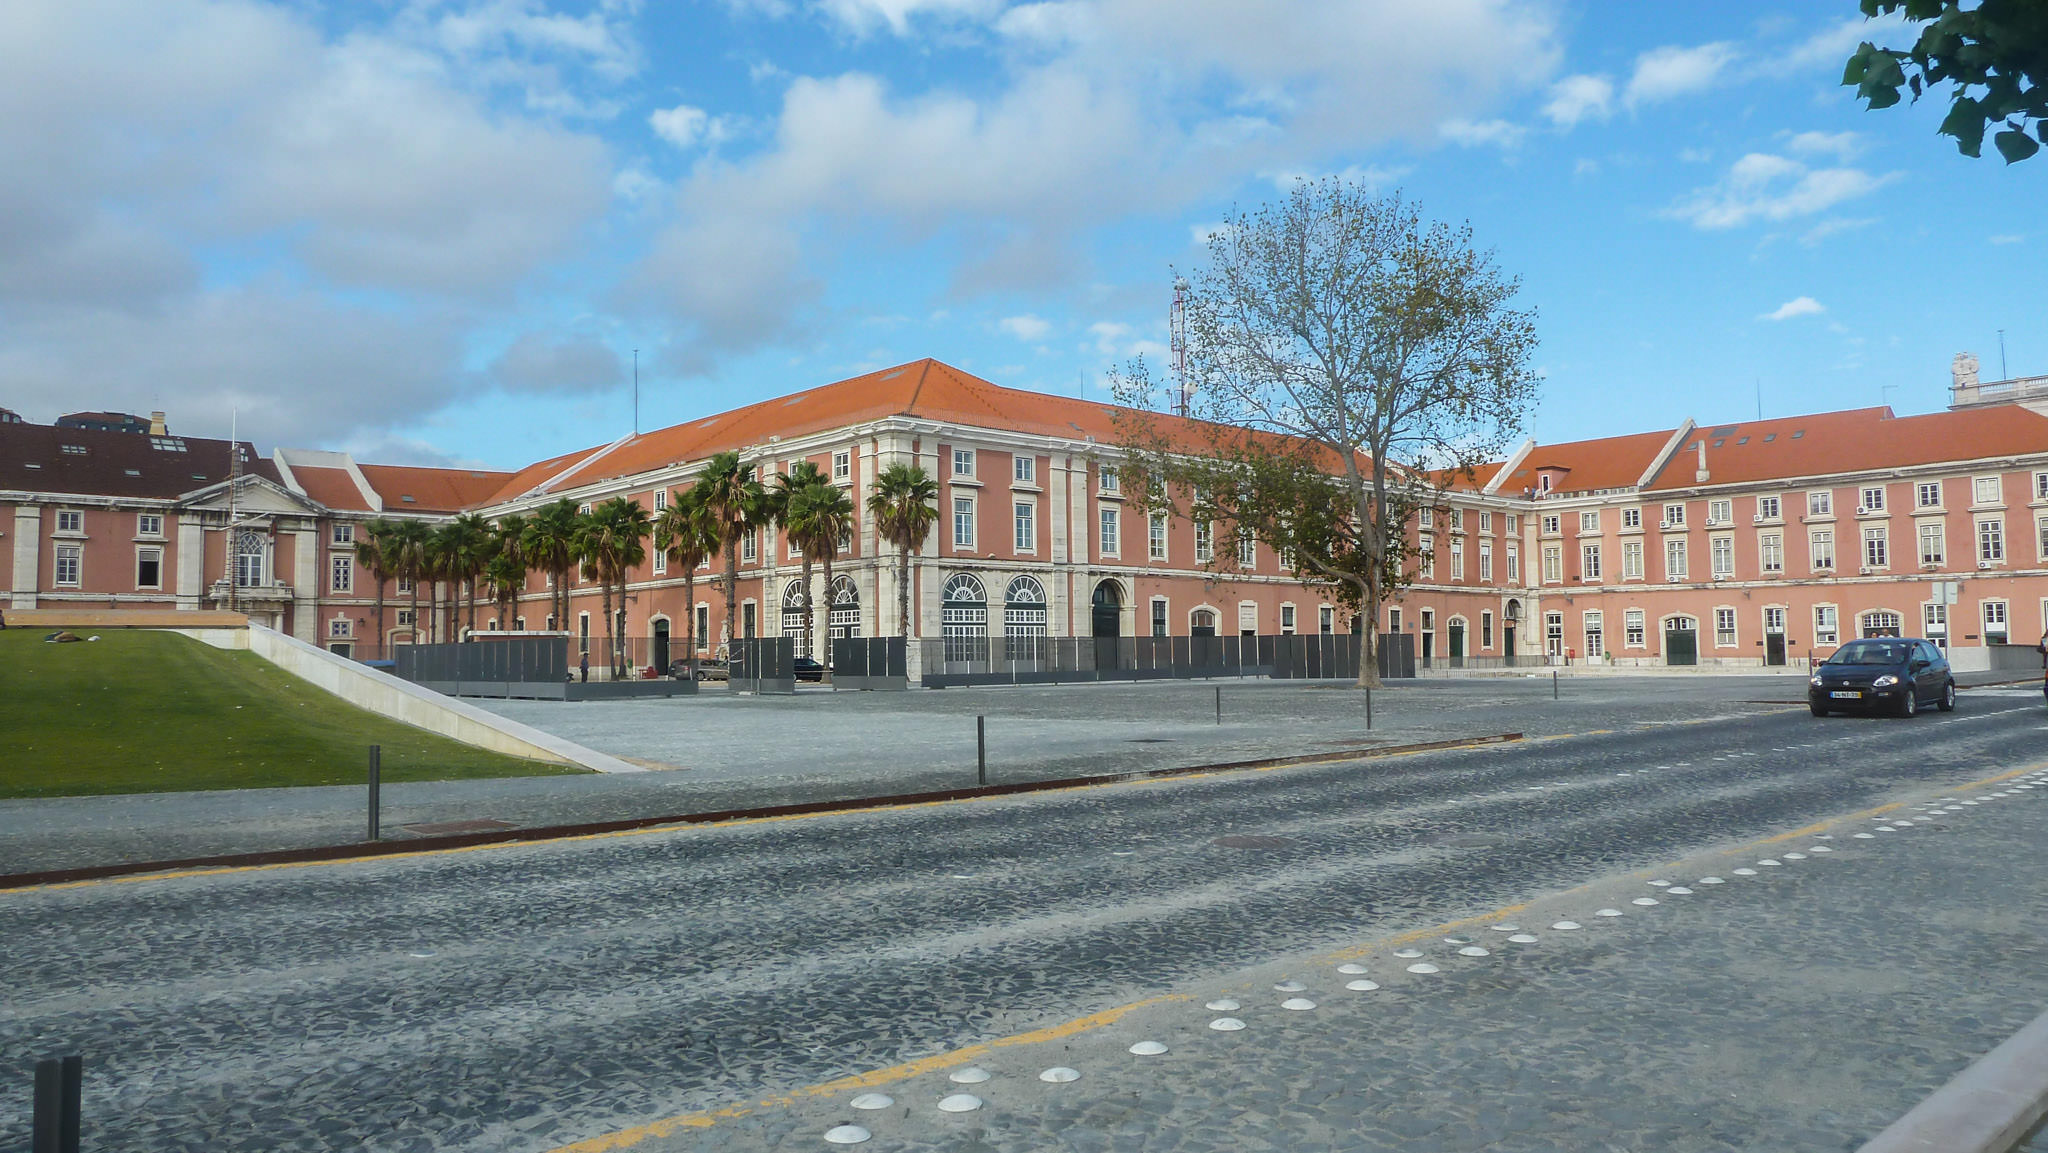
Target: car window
[1930,654]
[1869,653]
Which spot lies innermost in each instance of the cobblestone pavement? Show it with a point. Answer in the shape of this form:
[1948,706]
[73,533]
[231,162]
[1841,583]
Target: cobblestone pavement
[745,752]
[525,997]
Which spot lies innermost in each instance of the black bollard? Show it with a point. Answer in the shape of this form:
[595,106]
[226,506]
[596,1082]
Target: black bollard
[1219,704]
[1368,708]
[1553,684]
[60,1085]
[981,749]
[376,788]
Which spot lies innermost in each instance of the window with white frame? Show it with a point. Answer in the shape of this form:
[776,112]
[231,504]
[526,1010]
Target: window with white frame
[1589,521]
[149,568]
[1774,620]
[1286,618]
[1553,563]
[1821,548]
[1025,517]
[1112,481]
[1514,521]
[1771,551]
[1933,543]
[1485,520]
[1986,489]
[1155,536]
[69,558]
[1631,518]
[1552,524]
[963,522]
[1512,561]
[963,462]
[842,464]
[1485,631]
[1633,630]
[1457,558]
[1724,628]
[1110,522]
[1876,546]
[2041,536]
[1247,550]
[70,520]
[1820,503]
[344,534]
[1674,514]
[1721,557]
[660,561]
[1593,622]
[660,499]
[703,636]
[750,548]
[1426,561]
[149,524]
[1159,616]
[1025,469]
[1870,498]
[1632,560]
[1768,508]
[1934,621]
[1393,620]
[1927,494]
[1486,562]
[405,618]
[404,584]
[1425,518]
[1997,630]
[1675,568]
[341,576]
[1827,626]
[338,628]
[1553,634]
[1589,562]
[1326,619]
[1991,540]
[1720,511]
[1205,542]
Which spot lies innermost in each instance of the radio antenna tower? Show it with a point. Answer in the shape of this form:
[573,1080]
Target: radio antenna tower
[234,501]
[1182,392]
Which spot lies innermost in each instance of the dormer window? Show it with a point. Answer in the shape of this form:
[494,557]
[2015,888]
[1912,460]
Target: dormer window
[1543,483]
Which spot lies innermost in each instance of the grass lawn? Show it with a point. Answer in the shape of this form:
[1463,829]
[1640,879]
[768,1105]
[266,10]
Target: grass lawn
[149,712]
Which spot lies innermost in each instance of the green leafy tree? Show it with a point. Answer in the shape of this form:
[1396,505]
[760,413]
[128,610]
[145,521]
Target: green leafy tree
[1345,361]
[465,546]
[549,544]
[613,543]
[831,518]
[374,552]
[734,503]
[684,531]
[791,502]
[410,553]
[1994,55]
[506,573]
[905,505]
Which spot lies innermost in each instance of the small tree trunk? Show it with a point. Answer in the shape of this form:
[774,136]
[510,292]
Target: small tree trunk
[732,590]
[828,606]
[689,615]
[608,623]
[810,632]
[903,590]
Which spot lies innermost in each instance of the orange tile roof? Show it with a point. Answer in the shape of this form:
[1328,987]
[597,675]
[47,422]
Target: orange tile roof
[431,489]
[332,487]
[1608,462]
[1836,442]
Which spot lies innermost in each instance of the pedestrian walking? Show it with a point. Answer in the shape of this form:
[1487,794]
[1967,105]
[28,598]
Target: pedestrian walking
[584,666]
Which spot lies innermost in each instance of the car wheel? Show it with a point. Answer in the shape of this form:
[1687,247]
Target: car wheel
[1909,704]
[1819,710]
[1948,698]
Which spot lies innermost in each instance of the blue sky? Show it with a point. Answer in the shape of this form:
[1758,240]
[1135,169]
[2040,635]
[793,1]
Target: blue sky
[436,231]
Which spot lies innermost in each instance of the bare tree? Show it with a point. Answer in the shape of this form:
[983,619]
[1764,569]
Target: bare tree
[1346,361]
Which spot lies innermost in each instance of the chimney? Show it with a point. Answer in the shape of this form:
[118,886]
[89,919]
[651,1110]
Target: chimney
[156,424]
[1699,475]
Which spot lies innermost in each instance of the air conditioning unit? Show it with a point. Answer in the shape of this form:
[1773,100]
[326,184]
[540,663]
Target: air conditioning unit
[1711,522]
[1987,564]
[1865,570]
[1760,518]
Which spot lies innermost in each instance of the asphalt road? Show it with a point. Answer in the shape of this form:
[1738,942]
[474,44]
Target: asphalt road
[522,997]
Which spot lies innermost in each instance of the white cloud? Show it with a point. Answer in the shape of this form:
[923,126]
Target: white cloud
[1199,234]
[2009,238]
[1371,177]
[1663,73]
[1762,186]
[680,126]
[864,16]
[1833,225]
[1498,133]
[1026,327]
[576,364]
[1577,98]
[1841,145]
[1799,306]
[1827,50]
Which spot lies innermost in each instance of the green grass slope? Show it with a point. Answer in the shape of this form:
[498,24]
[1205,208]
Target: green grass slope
[147,712]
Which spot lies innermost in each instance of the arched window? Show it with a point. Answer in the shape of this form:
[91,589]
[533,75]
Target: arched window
[1202,622]
[251,549]
[845,621]
[1882,623]
[1024,619]
[793,617]
[963,619]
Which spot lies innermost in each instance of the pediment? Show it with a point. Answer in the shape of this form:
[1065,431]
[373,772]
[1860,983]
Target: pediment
[256,495]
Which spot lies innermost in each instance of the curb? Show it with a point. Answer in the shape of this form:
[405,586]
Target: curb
[365,849]
[1988,1107]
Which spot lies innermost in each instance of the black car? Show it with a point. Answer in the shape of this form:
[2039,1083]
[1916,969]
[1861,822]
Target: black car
[807,669]
[1883,674]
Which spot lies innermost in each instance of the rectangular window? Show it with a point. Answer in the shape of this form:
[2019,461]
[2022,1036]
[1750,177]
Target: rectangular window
[963,462]
[1871,499]
[1552,524]
[1158,618]
[1426,518]
[963,522]
[1987,489]
[1933,544]
[1674,515]
[1485,630]
[1486,562]
[660,562]
[1674,560]
[1247,551]
[1876,547]
[149,524]
[70,521]
[1820,504]
[1774,620]
[1821,543]
[1632,560]
[1287,618]
[1594,622]
[338,628]
[149,568]
[1026,515]
[1589,562]
[660,499]
[1513,560]
[1110,544]
[1991,541]
[67,565]
[1720,511]
[1826,626]
[1771,551]
[842,464]
[1767,508]
[405,617]
[1721,557]
[1205,542]
[1155,536]
[1553,634]
[703,625]
[1485,520]
[1632,629]
[342,573]
[1553,563]
[750,547]
[404,584]
[2041,535]
[1426,567]
[1631,518]
[1514,521]
[1589,521]
[1724,628]
[1112,481]
[1393,620]
[344,534]
[1996,628]
[1026,469]
[1927,494]
[1326,620]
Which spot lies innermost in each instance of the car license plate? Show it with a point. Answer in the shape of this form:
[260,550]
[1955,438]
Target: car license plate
[1850,696]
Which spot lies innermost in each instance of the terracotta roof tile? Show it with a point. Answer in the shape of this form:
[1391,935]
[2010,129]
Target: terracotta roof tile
[1589,465]
[332,487]
[407,489]
[1836,442]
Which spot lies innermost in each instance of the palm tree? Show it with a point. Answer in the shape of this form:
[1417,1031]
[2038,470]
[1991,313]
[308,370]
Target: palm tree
[408,553]
[374,552]
[684,532]
[733,504]
[549,544]
[905,506]
[831,519]
[508,561]
[467,544]
[791,503]
[613,542]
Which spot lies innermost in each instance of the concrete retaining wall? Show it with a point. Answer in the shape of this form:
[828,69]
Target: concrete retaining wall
[387,696]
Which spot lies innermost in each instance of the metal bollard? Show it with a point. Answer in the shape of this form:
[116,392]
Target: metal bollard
[1553,684]
[376,789]
[60,1094]
[981,749]
[1219,704]
[1368,708]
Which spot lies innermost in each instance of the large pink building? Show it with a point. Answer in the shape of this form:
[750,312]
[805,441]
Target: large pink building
[1751,543]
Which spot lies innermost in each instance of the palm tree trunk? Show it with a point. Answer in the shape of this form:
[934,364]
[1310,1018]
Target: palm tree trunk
[381,641]
[810,631]
[903,590]
[689,615]
[828,601]
[732,588]
[415,638]
[609,628]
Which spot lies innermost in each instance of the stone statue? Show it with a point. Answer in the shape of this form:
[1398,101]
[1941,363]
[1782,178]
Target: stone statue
[1964,369]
